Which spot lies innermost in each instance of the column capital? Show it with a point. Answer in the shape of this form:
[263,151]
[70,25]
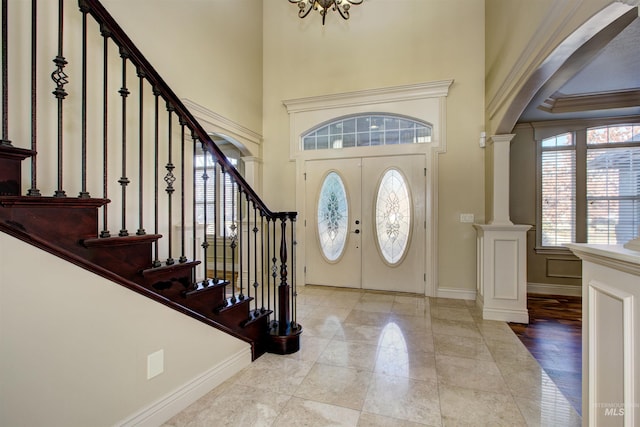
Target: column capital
[506,137]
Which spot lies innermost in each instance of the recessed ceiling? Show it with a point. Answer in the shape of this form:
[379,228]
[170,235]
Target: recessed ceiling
[608,85]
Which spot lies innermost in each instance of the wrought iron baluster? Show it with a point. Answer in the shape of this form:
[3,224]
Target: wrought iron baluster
[156,173]
[105,127]
[255,255]
[233,244]
[205,240]
[60,79]
[238,196]
[5,76]
[183,257]
[193,203]
[225,237]
[124,181]
[84,194]
[33,190]
[216,222]
[169,179]
[262,255]
[267,243]
[141,231]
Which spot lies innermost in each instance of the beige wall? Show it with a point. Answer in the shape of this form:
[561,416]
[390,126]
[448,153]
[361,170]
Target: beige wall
[74,345]
[386,43]
[209,51]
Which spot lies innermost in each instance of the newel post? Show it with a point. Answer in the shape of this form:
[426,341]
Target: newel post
[285,333]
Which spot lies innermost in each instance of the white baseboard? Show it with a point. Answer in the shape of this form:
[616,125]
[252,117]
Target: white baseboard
[468,294]
[551,289]
[162,410]
[502,315]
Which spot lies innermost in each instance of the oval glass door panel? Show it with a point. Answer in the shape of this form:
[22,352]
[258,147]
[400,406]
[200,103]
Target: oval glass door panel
[393,216]
[333,217]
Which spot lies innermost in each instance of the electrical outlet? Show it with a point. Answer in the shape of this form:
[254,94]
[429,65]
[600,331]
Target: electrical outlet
[467,217]
[155,364]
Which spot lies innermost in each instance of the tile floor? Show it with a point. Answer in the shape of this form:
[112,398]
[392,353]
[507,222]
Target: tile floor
[380,359]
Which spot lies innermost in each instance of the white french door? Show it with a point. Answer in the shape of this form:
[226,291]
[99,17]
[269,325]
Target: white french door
[365,223]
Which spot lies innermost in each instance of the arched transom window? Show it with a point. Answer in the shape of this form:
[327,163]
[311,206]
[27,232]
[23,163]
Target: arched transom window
[366,131]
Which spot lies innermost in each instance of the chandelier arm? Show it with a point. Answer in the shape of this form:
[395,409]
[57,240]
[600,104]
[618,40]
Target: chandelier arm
[302,13]
[343,13]
[356,2]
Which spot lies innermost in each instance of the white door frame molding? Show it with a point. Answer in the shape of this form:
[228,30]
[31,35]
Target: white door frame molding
[424,101]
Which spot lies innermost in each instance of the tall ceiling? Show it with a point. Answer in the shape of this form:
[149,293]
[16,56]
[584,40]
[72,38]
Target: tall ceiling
[602,80]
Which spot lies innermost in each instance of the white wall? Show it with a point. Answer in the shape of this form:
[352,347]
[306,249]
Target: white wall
[74,346]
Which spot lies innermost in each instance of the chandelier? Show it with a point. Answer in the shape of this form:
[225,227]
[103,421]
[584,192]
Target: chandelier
[322,6]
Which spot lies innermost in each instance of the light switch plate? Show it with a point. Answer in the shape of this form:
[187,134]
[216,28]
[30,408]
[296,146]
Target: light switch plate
[467,217]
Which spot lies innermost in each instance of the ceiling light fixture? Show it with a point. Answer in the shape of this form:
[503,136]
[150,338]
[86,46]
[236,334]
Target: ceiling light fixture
[342,6]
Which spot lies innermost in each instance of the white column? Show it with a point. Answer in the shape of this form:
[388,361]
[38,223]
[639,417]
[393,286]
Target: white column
[501,145]
[502,272]
[252,173]
[502,247]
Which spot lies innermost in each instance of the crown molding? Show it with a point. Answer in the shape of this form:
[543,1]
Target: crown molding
[370,96]
[214,122]
[560,103]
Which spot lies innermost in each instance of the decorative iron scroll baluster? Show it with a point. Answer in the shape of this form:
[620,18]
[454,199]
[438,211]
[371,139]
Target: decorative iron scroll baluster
[124,181]
[225,232]
[5,77]
[234,238]
[169,179]
[105,127]
[183,257]
[156,173]
[141,231]
[241,246]
[262,255]
[83,192]
[255,256]
[216,223]
[33,191]
[60,79]
[205,218]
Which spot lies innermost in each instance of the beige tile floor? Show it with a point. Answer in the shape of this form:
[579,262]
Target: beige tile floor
[381,359]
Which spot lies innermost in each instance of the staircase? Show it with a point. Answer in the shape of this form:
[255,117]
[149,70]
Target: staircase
[245,291]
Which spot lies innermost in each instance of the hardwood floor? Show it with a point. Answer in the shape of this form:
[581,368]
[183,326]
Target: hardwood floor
[554,338]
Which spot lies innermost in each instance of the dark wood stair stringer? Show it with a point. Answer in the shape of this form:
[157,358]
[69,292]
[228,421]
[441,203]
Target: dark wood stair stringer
[67,228]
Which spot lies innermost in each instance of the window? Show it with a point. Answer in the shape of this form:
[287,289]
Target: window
[220,184]
[367,130]
[596,172]
[333,216]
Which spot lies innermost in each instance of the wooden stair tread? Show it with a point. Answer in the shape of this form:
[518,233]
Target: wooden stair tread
[230,304]
[200,287]
[120,241]
[51,202]
[255,316]
[16,153]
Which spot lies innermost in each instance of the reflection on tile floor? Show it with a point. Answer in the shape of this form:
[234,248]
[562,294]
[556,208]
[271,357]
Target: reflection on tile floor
[382,359]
